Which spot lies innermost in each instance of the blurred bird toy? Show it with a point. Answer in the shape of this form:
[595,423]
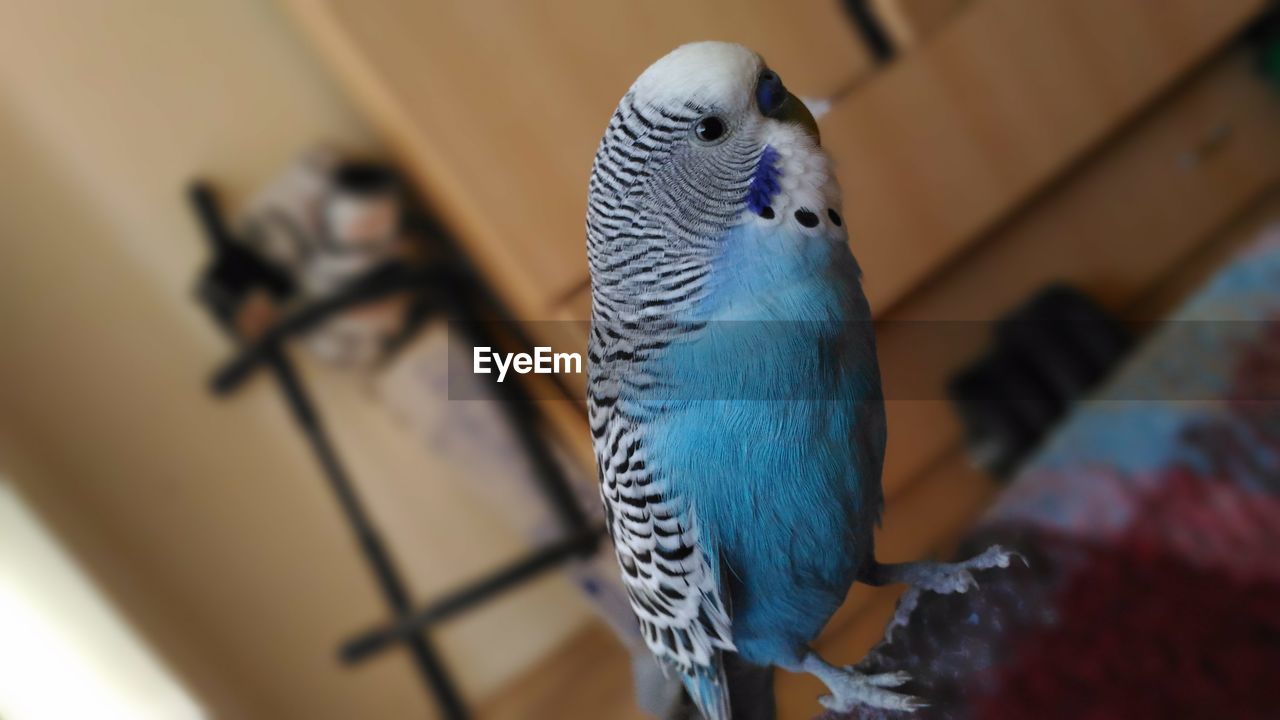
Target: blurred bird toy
[734,393]
[329,221]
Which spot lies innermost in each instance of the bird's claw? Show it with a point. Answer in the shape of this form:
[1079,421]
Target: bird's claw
[958,577]
[993,557]
[855,689]
[948,580]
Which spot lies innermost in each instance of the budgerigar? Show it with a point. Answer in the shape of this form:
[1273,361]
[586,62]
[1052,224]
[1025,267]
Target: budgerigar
[734,393]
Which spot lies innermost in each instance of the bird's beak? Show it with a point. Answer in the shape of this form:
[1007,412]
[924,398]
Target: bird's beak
[775,101]
[794,110]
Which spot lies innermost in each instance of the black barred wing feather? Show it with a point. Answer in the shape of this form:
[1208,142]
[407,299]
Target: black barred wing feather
[671,584]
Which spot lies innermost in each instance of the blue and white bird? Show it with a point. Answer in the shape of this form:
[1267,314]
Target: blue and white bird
[734,392]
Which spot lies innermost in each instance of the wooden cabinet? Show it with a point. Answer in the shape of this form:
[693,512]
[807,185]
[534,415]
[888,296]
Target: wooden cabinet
[941,146]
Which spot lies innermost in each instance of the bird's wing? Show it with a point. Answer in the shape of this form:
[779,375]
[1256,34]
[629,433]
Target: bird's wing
[669,575]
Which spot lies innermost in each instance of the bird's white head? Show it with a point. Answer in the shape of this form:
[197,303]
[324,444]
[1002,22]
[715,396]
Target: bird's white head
[706,140]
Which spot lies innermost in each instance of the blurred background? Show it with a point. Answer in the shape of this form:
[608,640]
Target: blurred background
[238,480]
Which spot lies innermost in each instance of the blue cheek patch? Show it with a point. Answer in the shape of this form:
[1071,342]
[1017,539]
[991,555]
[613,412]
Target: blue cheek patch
[764,183]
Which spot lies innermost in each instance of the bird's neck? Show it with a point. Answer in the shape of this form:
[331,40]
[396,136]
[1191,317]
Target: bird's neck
[781,276]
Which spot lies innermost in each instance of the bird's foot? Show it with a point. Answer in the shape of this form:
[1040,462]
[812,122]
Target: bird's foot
[850,688]
[948,578]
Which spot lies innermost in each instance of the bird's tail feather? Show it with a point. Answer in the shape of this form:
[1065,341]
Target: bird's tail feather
[709,691]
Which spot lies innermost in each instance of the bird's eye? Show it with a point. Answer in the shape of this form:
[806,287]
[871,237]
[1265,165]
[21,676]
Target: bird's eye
[709,129]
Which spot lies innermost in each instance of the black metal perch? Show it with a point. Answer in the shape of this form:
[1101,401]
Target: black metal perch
[449,288]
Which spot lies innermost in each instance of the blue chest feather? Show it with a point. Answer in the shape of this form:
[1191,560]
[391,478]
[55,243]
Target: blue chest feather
[774,432]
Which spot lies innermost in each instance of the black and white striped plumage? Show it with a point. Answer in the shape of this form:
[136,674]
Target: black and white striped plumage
[636,307]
